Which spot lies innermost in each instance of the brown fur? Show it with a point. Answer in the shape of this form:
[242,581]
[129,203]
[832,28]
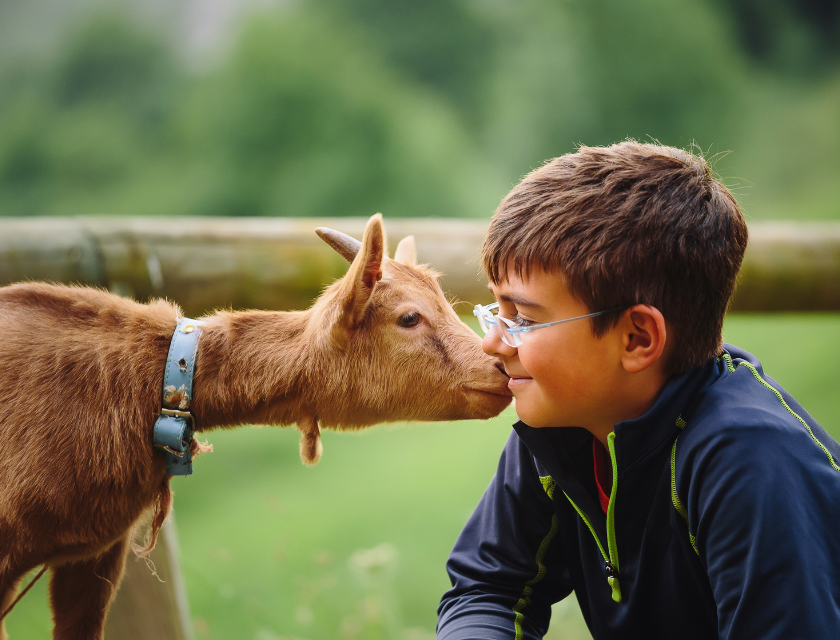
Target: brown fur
[80,382]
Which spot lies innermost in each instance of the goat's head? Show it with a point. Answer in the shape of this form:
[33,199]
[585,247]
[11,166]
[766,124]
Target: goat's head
[390,347]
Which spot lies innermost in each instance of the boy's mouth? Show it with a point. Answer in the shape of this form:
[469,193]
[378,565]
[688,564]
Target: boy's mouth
[517,381]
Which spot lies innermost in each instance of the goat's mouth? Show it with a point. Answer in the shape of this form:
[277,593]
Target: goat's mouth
[483,402]
[503,392]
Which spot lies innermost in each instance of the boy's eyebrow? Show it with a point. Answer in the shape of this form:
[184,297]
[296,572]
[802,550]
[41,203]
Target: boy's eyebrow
[515,299]
[520,301]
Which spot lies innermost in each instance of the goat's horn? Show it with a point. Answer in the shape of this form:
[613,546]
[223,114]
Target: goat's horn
[345,245]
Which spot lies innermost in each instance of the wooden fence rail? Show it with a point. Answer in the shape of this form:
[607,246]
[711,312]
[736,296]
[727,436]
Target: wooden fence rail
[279,263]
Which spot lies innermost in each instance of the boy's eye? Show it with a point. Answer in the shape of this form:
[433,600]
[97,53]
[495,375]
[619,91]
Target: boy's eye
[522,322]
[518,320]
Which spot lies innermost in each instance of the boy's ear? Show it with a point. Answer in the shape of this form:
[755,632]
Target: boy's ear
[644,337]
[360,280]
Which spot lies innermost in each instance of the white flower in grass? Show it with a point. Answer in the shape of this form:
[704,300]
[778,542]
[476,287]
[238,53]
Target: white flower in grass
[376,563]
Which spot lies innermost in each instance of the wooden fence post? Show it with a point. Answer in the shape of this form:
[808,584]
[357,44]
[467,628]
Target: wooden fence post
[149,606]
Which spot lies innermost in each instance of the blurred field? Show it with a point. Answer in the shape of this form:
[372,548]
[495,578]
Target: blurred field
[355,547]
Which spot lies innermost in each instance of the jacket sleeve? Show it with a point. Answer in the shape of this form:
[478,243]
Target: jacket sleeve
[764,504]
[506,568]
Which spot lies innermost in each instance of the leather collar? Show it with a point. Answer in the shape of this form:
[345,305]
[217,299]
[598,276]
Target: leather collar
[174,428]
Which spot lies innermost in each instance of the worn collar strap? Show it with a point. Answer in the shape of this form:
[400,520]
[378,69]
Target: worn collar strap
[174,427]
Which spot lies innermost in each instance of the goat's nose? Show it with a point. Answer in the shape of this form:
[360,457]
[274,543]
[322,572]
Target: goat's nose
[501,367]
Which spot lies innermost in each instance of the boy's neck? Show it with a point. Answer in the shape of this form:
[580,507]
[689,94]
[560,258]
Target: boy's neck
[637,401]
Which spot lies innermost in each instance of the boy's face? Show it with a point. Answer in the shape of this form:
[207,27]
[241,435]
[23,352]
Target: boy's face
[561,375]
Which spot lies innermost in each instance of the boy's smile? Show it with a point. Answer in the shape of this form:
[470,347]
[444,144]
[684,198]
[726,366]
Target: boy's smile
[563,375]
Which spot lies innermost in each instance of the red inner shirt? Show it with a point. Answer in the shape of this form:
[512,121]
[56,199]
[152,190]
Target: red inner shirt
[603,471]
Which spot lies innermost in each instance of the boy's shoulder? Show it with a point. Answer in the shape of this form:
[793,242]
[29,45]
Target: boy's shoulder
[754,485]
[744,398]
[746,423]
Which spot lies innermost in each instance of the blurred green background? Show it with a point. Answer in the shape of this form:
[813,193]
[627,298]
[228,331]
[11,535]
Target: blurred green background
[434,108]
[348,107]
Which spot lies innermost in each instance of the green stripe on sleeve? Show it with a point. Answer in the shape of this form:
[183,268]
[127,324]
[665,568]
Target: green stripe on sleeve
[525,598]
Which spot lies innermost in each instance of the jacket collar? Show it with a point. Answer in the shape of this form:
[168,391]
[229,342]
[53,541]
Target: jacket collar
[637,438]
[565,452]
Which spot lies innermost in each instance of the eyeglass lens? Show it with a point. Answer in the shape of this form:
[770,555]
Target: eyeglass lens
[488,320]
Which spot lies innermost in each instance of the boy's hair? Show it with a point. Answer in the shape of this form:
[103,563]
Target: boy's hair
[628,224]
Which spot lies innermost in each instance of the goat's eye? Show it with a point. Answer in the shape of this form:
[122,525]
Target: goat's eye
[410,319]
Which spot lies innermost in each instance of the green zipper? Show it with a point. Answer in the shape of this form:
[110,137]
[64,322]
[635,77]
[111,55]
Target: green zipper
[611,560]
[611,543]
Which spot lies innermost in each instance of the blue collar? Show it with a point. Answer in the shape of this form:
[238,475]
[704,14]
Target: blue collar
[174,428]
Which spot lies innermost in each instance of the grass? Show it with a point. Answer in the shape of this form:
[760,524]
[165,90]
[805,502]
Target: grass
[355,547]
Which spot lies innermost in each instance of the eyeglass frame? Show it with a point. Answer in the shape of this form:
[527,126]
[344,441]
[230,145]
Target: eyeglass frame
[486,319]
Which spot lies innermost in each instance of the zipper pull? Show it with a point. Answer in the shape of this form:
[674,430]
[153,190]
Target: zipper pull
[612,580]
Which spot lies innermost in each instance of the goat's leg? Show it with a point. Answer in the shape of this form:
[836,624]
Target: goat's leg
[310,440]
[80,593]
[8,591]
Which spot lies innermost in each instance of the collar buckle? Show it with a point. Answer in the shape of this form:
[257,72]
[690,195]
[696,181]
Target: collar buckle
[175,413]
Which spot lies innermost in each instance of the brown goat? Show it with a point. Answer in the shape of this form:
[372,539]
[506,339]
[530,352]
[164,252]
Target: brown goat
[81,372]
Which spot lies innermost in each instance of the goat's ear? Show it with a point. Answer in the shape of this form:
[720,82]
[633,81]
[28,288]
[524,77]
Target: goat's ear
[406,251]
[365,271]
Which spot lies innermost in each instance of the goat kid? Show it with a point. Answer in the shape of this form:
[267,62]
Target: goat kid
[81,372]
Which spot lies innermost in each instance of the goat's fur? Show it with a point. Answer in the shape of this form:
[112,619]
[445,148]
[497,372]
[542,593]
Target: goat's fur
[80,388]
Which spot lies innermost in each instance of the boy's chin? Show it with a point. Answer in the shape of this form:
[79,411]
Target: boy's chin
[534,420]
[538,419]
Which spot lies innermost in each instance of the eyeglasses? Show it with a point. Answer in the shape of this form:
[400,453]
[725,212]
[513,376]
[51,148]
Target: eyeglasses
[509,330]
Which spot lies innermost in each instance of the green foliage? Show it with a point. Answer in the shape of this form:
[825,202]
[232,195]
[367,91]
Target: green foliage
[110,62]
[303,120]
[77,134]
[433,108]
[599,72]
[789,36]
[449,46]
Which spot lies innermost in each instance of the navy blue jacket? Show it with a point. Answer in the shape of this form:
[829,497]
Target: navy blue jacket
[724,522]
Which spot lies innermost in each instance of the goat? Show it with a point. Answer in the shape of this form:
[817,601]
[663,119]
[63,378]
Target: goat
[81,372]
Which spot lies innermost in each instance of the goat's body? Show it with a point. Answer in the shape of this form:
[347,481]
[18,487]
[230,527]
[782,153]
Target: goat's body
[81,372]
[80,379]
[91,377]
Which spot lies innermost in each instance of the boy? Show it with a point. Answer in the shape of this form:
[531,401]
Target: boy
[661,475]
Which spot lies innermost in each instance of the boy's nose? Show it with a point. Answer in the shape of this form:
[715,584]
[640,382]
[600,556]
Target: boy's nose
[493,345]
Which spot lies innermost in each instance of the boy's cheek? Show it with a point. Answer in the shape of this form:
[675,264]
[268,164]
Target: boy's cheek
[533,407]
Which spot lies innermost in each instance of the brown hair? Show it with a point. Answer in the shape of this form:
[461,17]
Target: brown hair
[628,224]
